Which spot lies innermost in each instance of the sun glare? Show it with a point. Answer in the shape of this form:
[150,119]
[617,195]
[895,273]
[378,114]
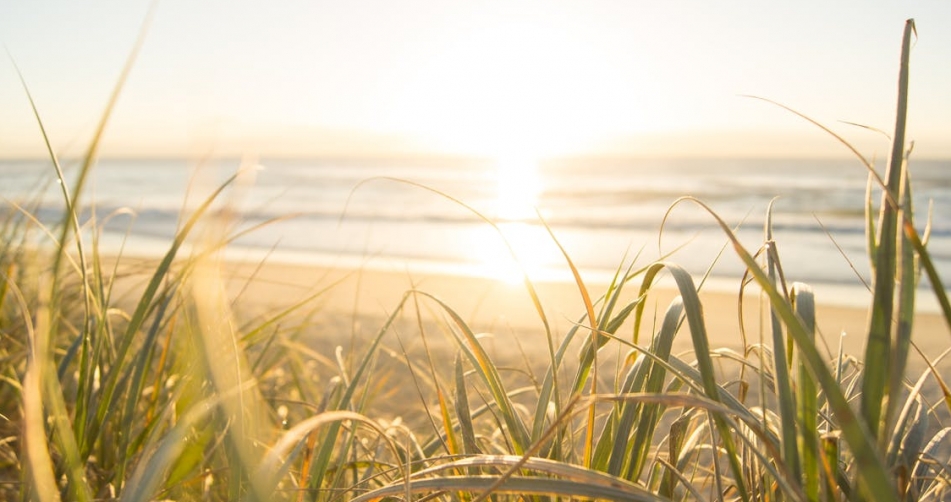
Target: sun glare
[530,243]
[518,186]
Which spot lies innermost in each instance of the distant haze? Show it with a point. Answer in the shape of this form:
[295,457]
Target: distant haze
[307,78]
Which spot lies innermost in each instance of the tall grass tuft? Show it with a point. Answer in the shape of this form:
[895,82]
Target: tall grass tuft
[122,383]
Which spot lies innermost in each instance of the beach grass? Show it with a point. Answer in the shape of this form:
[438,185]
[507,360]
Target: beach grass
[127,383]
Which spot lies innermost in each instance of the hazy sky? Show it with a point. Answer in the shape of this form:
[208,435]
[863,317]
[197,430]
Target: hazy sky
[540,78]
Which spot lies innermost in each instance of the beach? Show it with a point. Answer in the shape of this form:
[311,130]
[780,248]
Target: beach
[441,251]
[366,231]
[347,306]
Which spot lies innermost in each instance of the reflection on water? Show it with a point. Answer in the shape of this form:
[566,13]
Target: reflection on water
[515,250]
[518,186]
[600,210]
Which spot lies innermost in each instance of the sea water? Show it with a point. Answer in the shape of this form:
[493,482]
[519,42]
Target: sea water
[469,217]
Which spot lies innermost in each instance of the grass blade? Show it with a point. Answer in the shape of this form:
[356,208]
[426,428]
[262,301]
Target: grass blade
[701,346]
[594,342]
[572,481]
[487,371]
[321,461]
[871,471]
[803,301]
[462,411]
[782,382]
[646,420]
[875,380]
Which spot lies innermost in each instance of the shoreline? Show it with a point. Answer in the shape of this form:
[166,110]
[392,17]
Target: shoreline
[830,293]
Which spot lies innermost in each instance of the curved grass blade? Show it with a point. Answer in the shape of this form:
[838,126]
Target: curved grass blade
[642,420]
[595,341]
[517,486]
[870,469]
[722,410]
[278,457]
[701,345]
[580,482]
[487,371]
[929,457]
[115,380]
[321,461]
[651,412]
[547,390]
[150,473]
[71,221]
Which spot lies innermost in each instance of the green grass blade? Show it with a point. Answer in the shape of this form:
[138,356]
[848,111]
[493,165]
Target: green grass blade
[644,424]
[150,473]
[489,375]
[322,460]
[698,333]
[548,393]
[114,382]
[870,226]
[908,274]
[615,428]
[462,411]
[803,300]
[782,381]
[588,351]
[937,286]
[830,465]
[875,379]
[70,223]
[871,472]
[37,462]
[139,373]
[594,341]
[70,216]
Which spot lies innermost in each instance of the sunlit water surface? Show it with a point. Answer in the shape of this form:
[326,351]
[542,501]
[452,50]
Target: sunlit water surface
[606,214]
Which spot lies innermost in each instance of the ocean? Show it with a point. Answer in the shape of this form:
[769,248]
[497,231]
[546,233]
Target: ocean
[429,215]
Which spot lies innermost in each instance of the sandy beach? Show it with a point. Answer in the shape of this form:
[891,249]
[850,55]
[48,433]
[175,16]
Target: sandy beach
[352,304]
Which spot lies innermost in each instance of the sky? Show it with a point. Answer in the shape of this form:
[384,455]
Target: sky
[488,78]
